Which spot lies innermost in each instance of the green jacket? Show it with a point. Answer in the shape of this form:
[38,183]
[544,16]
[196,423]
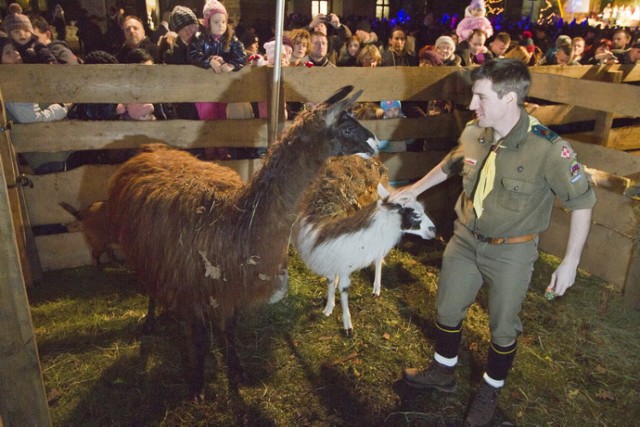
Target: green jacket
[533,166]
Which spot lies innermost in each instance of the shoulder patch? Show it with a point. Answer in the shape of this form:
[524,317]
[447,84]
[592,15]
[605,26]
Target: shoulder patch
[545,132]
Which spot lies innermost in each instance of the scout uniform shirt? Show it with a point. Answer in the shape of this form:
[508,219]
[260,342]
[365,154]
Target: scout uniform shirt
[533,165]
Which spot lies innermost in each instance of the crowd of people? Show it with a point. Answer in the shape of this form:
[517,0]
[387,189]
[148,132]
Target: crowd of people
[210,40]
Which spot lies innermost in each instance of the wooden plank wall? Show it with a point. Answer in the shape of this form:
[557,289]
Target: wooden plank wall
[578,93]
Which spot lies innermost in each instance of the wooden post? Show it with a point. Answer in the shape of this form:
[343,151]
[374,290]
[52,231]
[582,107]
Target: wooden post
[23,399]
[604,119]
[29,260]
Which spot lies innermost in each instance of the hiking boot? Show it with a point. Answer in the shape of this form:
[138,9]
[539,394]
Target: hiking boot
[483,406]
[437,376]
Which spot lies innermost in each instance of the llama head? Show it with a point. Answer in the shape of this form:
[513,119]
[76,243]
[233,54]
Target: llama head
[414,220]
[345,133]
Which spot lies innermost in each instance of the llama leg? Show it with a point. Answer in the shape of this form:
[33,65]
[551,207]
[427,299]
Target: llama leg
[377,281]
[200,343]
[344,301]
[236,373]
[331,295]
[150,319]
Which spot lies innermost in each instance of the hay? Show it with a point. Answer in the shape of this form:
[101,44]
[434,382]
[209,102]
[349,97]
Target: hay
[576,362]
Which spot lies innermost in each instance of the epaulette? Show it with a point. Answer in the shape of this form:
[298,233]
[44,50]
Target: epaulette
[545,132]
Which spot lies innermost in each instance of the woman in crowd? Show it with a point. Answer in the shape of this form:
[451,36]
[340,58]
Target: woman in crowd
[397,53]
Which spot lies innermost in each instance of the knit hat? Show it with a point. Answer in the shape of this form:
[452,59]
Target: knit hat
[446,40]
[270,49]
[387,105]
[17,21]
[563,40]
[477,4]
[527,41]
[181,17]
[14,8]
[212,7]
[429,56]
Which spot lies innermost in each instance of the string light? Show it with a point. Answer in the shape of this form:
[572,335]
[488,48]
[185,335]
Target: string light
[494,7]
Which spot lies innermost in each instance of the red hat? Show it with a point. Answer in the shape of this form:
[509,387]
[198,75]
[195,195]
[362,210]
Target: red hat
[527,41]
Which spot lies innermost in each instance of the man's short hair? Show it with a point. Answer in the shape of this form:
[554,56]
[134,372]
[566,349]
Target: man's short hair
[506,75]
[503,37]
[41,24]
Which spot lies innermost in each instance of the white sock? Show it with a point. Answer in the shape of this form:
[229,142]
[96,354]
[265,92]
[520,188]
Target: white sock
[446,361]
[493,383]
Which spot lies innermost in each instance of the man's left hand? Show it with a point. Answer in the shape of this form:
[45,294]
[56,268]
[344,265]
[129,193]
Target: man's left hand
[562,279]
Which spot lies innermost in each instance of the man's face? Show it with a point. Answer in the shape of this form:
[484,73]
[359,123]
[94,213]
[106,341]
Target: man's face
[498,47]
[187,32]
[318,47]
[133,32]
[321,28]
[477,43]
[218,24]
[634,54]
[619,40]
[397,41]
[44,38]
[10,55]
[489,108]
[562,58]
[21,36]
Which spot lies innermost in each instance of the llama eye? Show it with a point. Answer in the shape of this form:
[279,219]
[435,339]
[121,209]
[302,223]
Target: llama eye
[347,131]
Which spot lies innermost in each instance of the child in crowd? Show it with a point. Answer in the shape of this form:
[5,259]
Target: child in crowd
[301,39]
[27,112]
[474,18]
[217,49]
[349,52]
[58,48]
[18,27]
[392,110]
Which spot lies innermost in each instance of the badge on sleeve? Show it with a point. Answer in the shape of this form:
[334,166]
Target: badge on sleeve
[470,161]
[574,167]
[566,152]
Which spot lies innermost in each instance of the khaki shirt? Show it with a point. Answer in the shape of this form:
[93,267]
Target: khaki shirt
[533,165]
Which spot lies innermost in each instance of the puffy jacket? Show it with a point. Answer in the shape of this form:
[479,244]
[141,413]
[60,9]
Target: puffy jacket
[204,46]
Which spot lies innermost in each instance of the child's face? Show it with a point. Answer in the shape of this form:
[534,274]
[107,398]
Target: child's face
[477,12]
[43,38]
[218,24]
[300,48]
[392,113]
[21,36]
[353,47]
[10,55]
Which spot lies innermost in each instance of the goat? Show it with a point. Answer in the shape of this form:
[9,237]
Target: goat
[206,246]
[94,222]
[335,242]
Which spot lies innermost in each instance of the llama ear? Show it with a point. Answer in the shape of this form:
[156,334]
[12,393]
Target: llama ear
[339,95]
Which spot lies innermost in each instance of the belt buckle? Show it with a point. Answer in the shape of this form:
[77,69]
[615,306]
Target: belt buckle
[482,238]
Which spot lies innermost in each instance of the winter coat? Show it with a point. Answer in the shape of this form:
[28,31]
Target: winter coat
[392,59]
[35,52]
[204,46]
[60,50]
[145,44]
[470,23]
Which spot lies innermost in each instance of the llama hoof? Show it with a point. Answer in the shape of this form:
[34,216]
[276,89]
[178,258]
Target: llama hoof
[348,333]
[375,295]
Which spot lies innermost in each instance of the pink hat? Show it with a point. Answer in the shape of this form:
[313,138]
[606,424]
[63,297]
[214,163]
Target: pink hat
[212,7]
[477,4]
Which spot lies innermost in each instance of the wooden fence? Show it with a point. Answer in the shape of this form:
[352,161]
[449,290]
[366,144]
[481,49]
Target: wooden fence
[578,94]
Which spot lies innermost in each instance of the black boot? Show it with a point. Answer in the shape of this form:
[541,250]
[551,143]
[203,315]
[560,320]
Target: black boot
[483,406]
[437,376]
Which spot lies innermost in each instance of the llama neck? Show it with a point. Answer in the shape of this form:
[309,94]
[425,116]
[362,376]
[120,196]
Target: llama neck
[268,205]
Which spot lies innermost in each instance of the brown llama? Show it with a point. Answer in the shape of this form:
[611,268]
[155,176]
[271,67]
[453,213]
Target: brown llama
[206,246]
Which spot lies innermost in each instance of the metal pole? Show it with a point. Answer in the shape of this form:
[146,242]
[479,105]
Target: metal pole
[277,73]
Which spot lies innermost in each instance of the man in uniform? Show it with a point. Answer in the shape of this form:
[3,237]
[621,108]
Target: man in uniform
[512,168]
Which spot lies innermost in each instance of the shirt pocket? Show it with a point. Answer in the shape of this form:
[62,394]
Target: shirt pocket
[469,175]
[515,193]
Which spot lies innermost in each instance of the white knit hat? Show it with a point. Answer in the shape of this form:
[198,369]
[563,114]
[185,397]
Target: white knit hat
[446,40]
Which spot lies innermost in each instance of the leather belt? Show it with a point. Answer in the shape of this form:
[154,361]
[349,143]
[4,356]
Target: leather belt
[504,240]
